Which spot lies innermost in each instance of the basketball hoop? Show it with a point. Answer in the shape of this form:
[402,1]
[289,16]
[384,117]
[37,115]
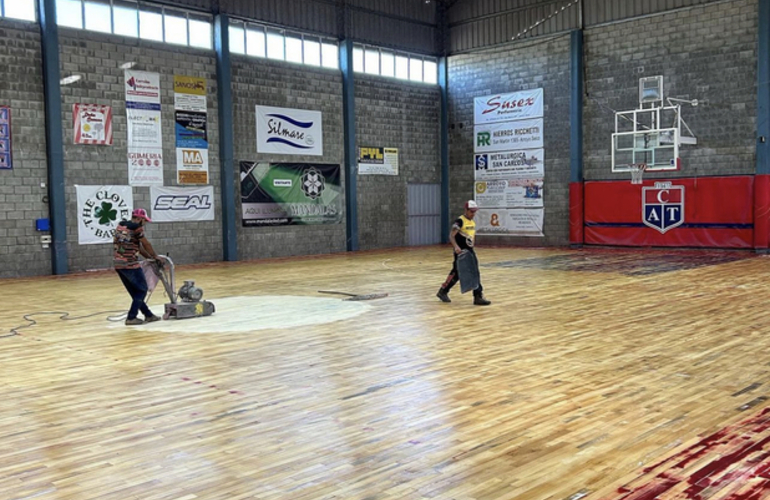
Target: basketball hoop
[637,172]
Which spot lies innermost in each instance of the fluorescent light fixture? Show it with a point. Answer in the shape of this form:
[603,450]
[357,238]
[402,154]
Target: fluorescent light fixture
[70,79]
[127,65]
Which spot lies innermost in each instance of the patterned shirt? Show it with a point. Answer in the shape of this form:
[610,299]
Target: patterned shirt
[126,244]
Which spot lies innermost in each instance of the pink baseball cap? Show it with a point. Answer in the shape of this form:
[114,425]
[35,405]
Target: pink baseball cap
[141,213]
[471,205]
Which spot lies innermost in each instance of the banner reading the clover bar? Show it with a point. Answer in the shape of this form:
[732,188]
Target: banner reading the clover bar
[100,209]
[279,194]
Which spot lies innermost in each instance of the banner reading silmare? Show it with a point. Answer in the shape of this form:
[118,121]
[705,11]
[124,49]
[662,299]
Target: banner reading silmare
[277,194]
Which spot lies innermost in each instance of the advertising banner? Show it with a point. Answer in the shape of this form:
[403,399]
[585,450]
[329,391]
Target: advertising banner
[512,193]
[377,161]
[507,107]
[289,131]
[276,194]
[510,221]
[100,209]
[182,204]
[506,136]
[92,124]
[522,164]
[145,138]
[191,126]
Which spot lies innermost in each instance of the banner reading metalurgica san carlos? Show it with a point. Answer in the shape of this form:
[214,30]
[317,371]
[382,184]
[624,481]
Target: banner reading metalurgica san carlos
[278,194]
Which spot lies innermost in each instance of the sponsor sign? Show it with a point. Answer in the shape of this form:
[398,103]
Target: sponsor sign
[289,131]
[510,221]
[277,194]
[100,209]
[521,134]
[510,193]
[192,166]
[191,127]
[142,86]
[521,164]
[377,161]
[182,204]
[92,124]
[145,138]
[507,107]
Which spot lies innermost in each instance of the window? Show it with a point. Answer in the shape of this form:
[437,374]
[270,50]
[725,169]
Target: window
[330,55]
[69,13]
[98,15]
[175,28]
[431,72]
[312,52]
[358,59]
[387,63]
[237,40]
[293,49]
[372,61]
[255,43]
[275,48]
[19,9]
[125,18]
[402,67]
[151,24]
[200,33]
[415,69]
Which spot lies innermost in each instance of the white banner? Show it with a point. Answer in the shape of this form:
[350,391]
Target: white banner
[176,204]
[521,134]
[377,161]
[510,221]
[192,166]
[142,86]
[145,136]
[510,193]
[507,107]
[100,209]
[289,131]
[524,164]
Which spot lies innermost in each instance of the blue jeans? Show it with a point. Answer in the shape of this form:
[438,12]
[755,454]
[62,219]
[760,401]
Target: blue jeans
[133,280]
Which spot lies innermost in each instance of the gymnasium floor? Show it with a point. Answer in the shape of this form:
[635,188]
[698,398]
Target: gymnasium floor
[595,374]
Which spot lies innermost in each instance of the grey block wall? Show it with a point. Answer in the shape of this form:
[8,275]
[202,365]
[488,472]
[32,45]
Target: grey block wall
[398,115]
[22,199]
[709,53]
[271,83]
[97,58]
[541,63]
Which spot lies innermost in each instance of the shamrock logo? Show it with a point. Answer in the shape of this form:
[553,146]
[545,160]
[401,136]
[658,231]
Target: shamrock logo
[106,213]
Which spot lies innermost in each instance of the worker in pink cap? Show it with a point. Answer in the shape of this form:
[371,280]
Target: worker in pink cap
[129,242]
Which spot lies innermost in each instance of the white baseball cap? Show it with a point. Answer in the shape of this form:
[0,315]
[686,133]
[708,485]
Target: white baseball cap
[471,205]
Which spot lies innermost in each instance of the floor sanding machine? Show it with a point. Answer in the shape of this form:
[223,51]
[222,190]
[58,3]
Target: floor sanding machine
[185,303]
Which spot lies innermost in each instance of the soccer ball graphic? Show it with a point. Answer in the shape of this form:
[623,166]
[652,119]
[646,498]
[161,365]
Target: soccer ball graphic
[313,183]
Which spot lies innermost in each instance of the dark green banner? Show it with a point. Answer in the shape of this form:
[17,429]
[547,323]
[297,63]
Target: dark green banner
[279,194]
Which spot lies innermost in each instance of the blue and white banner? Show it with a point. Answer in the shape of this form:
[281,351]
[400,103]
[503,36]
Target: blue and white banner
[507,107]
[144,130]
[180,204]
[289,131]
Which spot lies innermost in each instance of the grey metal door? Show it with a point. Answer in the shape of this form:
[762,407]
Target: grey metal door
[424,214]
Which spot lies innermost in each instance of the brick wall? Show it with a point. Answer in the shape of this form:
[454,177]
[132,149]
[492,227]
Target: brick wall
[22,199]
[707,53]
[398,115]
[542,63]
[271,83]
[97,57]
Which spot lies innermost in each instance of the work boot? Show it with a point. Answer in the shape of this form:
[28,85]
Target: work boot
[135,321]
[480,301]
[150,319]
[442,295]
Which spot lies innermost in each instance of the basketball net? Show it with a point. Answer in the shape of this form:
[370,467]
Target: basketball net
[637,172]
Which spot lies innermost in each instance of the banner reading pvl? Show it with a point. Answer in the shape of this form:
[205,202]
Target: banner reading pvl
[377,161]
[278,194]
[192,156]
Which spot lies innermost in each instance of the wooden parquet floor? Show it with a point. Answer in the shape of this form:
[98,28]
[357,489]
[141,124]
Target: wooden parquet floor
[595,374]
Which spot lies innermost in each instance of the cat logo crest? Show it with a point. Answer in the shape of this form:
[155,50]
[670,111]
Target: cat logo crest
[663,206]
